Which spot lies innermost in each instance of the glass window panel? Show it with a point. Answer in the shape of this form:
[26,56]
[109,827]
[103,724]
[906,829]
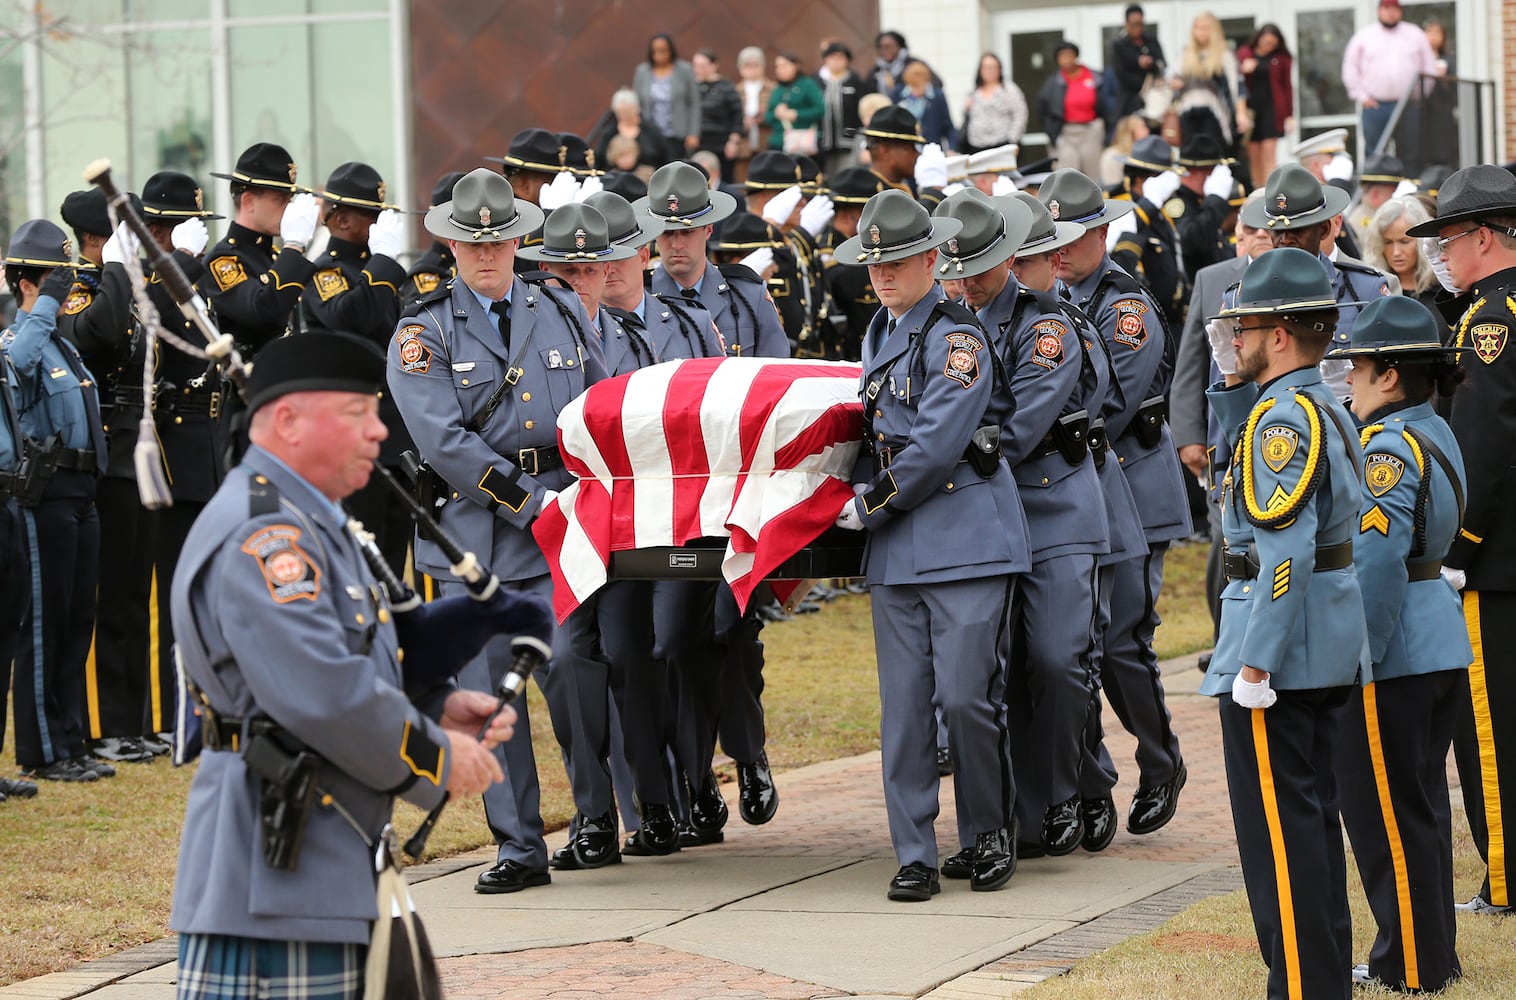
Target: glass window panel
[167,10]
[84,91]
[352,123]
[1238,30]
[265,8]
[348,6]
[1031,64]
[270,91]
[171,88]
[1323,36]
[12,142]
[78,13]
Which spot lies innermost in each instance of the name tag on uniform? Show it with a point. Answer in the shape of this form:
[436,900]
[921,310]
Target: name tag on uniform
[464,366]
[554,358]
[57,372]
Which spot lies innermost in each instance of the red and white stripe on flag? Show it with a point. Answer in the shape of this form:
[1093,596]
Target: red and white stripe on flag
[757,450]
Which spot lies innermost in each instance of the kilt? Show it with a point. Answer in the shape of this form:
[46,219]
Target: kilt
[223,967]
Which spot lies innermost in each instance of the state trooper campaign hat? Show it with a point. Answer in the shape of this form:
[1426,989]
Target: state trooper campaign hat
[1383,169]
[992,231]
[772,170]
[577,156]
[625,226]
[1294,198]
[1045,234]
[893,124]
[266,165]
[1471,193]
[86,211]
[894,226]
[40,243]
[679,195]
[855,186]
[483,209]
[1395,327]
[746,232]
[575,234]
[534,149]
[315,361]
[443,189]
[810,175]
[1287,281]
[1073,197]
[999,160]
[169,196]
[357,185]
[1151,155]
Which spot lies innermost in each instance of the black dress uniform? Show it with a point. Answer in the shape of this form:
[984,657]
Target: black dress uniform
[435,266]
[1151,253]
[849,294]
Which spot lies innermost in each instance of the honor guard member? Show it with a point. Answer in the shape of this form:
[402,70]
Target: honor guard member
[774,196]
[96,316]
[59,410]
[435,266]
[743,234]
[15,562]
[1397,730]
[847,283]
[578,157]
[1293,643]
[1145,243]
[1473,239]
[1142,353]
[1200,206]
[252,287]
[294,654]
[131,689]
[893,140]
[1316,155]
[533,160]
[1297,211]
[1033,266]
[946,539]
[481,370]
[1381,176]
[1046,444]
[356,289]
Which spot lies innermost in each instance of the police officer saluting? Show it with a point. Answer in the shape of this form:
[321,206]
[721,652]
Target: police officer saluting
[946,538]
[1292,643]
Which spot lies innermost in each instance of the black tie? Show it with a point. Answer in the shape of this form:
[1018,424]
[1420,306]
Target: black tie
[689,293]
[1063,293]
[502,309]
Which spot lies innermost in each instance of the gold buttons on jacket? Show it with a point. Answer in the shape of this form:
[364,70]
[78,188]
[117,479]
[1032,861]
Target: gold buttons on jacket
[526,397]
[530,424]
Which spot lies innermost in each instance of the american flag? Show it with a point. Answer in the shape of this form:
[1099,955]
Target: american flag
[756,450]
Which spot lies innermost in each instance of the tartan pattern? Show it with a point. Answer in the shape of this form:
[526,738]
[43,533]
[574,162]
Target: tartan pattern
[225,967]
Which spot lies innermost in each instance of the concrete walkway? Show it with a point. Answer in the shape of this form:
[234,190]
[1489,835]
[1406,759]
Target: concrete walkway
[797,908]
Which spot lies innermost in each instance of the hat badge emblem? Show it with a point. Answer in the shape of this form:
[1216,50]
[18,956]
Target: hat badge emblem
[1053,208]
[952,246]
[1282,201]
[383,190]
[199,200]
[874,235]
[673,203]
[484,216]
[579,238]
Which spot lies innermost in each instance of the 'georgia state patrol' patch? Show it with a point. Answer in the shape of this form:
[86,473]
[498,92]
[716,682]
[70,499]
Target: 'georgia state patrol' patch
[1278,446]
[288,571]
[1048,351]
[415,356]
[1488,340]
[1130,328]
[227,271]
[1382,472]
[963,358]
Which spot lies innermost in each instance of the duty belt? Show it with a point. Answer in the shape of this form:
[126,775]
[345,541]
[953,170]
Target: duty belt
[186,402]
[535,461]
[10,483]
[1417,572]
[222,732]
[1239,564]
[77,459]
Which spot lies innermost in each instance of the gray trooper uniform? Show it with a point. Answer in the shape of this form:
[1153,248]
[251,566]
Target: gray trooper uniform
[739,306]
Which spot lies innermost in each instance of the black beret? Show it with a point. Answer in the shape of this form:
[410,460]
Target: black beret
[85,211]
[318,361]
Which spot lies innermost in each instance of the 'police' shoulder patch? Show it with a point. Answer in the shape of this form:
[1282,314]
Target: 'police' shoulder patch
[227,272]
[1131,329]
[1278,446]
[330,282]
[963,358]
[291,575]
[1381,472]
[1047,351]
[1488,340]
[426,283]
[415,356]
[79,298]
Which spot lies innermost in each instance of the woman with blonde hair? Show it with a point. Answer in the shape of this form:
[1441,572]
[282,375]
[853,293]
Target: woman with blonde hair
[1210,77]
[1388,248]
[1113,161]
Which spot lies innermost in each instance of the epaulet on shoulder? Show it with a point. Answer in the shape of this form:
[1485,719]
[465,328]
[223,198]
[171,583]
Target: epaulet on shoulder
[956,312]
[1360,267]
[1045,301]
[262,496]
[739,272]
[1120,280]
[439,294]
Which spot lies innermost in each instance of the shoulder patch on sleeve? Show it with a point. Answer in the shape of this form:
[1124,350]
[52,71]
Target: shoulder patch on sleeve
[415,356]
[1131,328]
[290,573]
[1278,446]
[227,272]
[426,281]
[79,298]
[1381,471]
[330,282]
[963,358]
[1489,340]
[1047,350]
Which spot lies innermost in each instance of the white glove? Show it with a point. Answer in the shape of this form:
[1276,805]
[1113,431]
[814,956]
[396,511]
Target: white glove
[191,236]
[121,245]
[386,236]
[299,222]
[782,205]
[931,167]
[1338,168]
[559,193]
[848,517]
[1440,268]
[1221,332]
[1159,188]
[1004,186]
[816,214]
[1405,188]
[1220,182]
[953,189]
[1246,694]
[1456,577]
[587,187]
[760,261]
[1121,227]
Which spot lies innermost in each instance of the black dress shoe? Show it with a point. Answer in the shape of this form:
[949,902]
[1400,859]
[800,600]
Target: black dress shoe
[15,788]
[1099,823]
[1154,807]
[994,860]
[958,865]
[100,767]
[690,836]
[563,859]
[759,799]
[1063,827]
[62,770]
[708,811]
[1026,850]
[595,844]
[659,833]
[914,883]
[944,762]
[121,749]
[511,876]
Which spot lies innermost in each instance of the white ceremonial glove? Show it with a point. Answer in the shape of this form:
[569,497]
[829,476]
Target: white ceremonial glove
[1249,695]
[931,167]
[1004,186]
[299,222]
[121,245]
[816,214]
[782,205]
[1121,227]
[1338,168]
[587,187]
[1404,188]
[1159,188]
[386,236]
[848,517]
[1444,276]
[1221,332]
[760,261]
[1456,577]
[953,189]
[1220,182]
[191,236]
[559,193]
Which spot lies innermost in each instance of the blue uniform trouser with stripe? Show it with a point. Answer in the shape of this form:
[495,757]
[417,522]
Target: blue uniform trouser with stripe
[63,542]
[1129,669]
[15,596]
[1392,758]
[1289,837]
[949,638]
[119,672]
[1484,743]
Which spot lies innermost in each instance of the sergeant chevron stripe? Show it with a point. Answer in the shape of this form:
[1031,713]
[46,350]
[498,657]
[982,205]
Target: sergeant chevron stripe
[1375,519]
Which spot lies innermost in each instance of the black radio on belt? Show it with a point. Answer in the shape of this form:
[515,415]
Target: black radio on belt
[1069,437]
[39,464]
[983,452]
[427,485]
